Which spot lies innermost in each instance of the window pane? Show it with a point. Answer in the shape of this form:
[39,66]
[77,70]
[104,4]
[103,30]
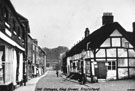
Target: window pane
[113,67]
[109,63]
[109,67]
[113,63]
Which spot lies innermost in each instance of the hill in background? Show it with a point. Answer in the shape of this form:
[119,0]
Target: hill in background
[53,54]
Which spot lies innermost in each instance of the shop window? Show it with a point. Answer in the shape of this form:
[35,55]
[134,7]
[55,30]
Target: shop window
[111,65]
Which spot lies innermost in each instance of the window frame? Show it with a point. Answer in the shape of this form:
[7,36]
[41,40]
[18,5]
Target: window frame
[111,66]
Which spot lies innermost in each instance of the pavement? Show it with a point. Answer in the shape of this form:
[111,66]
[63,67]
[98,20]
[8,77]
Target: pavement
[31,84]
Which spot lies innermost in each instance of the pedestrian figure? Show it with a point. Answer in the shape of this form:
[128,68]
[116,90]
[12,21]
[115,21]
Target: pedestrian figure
[24,79]
[57,73]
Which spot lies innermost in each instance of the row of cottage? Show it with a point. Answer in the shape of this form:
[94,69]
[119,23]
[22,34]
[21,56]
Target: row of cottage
[20,55]
[107,53]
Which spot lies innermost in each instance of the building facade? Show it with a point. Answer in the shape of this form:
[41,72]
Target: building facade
[36,59]
[30,57]
[18,51]
[41,61]
[12,46]
[107,53]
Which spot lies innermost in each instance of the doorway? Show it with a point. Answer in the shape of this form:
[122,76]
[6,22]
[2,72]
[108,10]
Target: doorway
[101,70]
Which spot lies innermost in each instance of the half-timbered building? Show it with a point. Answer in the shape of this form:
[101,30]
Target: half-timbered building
[107,53]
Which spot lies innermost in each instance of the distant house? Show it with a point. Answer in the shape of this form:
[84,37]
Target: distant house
[41,61]
[30,56]
[36,57]
[107,53]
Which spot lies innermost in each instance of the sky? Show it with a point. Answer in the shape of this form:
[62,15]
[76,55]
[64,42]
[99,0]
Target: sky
[63,22]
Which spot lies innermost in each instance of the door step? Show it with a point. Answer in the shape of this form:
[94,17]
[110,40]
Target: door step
[101,80]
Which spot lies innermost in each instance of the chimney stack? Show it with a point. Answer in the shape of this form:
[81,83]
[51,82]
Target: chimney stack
[133,32]
[107,18]
[134,27]
[87,32]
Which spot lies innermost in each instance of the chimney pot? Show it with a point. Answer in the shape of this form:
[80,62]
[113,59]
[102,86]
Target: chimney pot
[87,32]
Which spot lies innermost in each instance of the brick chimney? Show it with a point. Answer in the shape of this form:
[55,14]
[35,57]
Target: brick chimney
[107,18]
[133,26]
[87,32]
[133,32]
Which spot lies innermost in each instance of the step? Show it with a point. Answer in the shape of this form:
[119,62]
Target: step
[101,80]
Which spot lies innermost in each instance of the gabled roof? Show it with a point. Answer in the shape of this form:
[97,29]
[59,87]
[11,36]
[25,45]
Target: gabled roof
[24,20]
[99,36]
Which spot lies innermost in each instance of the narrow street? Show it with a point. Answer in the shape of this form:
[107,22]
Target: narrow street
[53,83]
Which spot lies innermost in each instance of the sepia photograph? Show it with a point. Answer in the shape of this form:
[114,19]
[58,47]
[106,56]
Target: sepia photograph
[67,45]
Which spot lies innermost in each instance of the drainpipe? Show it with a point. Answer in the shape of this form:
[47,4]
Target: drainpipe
[90,62]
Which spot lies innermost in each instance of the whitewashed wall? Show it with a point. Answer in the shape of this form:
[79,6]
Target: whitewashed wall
[111,74]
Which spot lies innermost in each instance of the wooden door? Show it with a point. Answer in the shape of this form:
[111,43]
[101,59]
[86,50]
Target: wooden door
[101,70]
